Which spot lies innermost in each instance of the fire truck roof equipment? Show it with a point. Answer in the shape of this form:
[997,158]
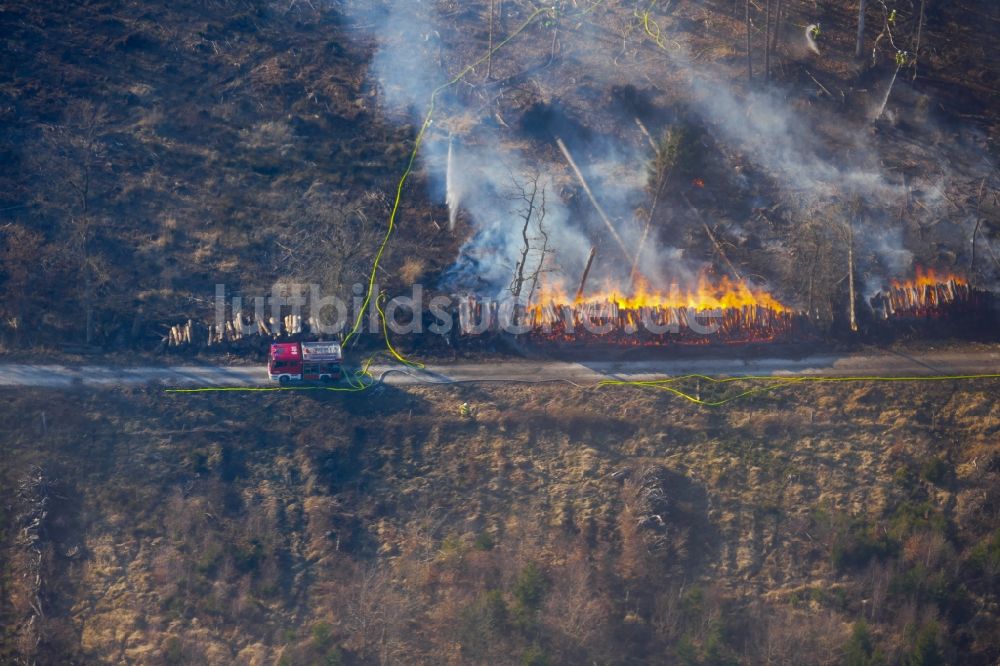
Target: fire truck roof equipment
[321,351]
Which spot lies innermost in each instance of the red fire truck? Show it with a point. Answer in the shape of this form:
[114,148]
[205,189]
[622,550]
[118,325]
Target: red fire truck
[304,362]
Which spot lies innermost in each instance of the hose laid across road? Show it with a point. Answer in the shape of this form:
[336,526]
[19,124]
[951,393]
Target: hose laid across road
[951,364]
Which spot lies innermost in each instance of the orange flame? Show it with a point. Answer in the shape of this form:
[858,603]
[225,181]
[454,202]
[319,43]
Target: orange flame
[927,294]
[706,295]
[925,277]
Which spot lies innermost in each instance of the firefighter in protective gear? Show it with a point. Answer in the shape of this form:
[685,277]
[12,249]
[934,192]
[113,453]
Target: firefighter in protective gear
[465,410]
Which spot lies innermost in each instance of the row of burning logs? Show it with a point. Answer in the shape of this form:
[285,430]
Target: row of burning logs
[927,299]
[734,315]
[621,322]
[614,322]
[607,321]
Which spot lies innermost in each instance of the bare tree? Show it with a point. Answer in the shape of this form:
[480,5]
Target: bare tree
[668,612]
[20,256]
[396,612]
[879,575]
[531,192]
[364,607]
[91,119]
[749,56]
[79,153]
[816,263]
[527,192]
[543,251]
[979,222]
[322,225]
[575,611]
[810,304]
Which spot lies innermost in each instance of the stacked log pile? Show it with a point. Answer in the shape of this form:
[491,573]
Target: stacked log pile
[236,329]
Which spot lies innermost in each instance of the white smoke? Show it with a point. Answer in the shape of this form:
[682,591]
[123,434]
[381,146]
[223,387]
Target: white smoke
[813,160]
[493,178]
[889,254]
[885,98]
[808,164]
[810,40]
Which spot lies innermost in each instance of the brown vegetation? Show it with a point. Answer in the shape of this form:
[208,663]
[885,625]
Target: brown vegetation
[149,150]
[153,150]
[801,527]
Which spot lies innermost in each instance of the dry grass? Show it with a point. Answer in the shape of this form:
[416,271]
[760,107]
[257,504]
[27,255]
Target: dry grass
[412,270]
[402,483]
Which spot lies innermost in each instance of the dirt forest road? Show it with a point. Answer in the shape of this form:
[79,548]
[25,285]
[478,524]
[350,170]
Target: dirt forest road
[950,363]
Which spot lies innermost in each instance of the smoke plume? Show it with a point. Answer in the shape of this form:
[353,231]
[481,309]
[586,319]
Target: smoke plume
[812,162]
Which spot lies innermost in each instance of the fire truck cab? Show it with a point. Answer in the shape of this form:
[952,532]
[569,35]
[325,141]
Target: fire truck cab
[304,362]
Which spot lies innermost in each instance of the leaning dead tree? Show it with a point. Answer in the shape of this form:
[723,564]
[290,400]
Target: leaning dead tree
[593,200]
[586,273]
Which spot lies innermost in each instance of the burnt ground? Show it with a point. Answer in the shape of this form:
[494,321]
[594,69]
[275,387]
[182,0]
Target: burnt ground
[247,143]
